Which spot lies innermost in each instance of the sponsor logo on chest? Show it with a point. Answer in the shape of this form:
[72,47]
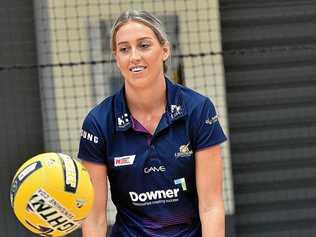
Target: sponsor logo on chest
[154,169]
[162,196]
[124,160]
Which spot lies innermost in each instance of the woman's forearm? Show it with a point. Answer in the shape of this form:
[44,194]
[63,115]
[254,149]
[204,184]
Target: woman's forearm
[213,220]
[93,228]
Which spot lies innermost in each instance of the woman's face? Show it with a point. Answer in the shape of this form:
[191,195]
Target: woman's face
[138,54]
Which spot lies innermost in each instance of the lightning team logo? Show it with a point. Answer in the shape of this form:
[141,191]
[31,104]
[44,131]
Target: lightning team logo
[184,151]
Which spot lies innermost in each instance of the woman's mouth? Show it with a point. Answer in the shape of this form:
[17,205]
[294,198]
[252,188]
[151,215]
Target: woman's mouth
[137,69]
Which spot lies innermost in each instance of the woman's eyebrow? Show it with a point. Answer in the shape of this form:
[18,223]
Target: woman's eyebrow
[140,39]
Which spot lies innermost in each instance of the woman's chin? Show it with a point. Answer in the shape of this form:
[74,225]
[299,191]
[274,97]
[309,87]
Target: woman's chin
[137,81]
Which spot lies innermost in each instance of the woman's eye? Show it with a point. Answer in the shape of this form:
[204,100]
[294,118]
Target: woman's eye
[123,49]
[144,45]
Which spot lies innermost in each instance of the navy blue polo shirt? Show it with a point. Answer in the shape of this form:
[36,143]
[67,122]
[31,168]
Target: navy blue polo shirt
[152,177]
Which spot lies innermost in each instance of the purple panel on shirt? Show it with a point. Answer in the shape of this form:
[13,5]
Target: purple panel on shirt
[138,127]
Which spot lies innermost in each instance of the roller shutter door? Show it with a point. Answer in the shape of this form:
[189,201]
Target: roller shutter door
[21,133]
[270,67]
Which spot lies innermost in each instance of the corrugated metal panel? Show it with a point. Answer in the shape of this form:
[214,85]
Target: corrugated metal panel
[270,66]
[20,113]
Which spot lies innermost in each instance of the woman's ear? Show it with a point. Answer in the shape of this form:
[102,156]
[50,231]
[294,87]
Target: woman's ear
[166,51]
[115,58]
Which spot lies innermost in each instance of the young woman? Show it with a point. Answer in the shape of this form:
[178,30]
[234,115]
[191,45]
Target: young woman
[156,142]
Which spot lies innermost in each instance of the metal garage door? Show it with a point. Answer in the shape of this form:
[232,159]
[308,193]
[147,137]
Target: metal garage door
[20,109]
[270,64]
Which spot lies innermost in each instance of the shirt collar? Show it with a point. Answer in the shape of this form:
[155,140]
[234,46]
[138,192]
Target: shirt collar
[175,106]
[123,120]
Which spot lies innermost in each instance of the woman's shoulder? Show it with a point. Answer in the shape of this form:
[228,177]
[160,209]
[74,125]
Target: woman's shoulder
[103,107]
[191,98]
[102,111]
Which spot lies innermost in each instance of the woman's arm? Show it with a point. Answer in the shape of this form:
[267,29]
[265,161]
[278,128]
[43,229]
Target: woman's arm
[95,225]
[209,188]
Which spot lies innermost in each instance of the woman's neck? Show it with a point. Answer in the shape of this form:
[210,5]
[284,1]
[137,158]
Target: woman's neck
[148,100]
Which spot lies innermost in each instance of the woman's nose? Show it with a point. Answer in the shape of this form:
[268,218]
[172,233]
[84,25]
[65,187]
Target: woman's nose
[135,55]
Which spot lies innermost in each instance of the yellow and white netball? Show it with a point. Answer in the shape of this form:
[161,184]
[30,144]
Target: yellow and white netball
[51,194]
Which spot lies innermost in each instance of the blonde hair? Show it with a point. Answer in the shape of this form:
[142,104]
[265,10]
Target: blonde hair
[145,18]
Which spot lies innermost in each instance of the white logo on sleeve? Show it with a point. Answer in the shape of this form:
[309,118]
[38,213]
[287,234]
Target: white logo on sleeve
[89,136]
[124,160]
[211,120]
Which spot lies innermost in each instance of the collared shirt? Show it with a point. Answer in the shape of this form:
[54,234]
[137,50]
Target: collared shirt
[152,177]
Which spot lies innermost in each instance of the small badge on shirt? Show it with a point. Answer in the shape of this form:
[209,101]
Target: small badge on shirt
[124,160]
[123,121]
[176,111]
[184,151]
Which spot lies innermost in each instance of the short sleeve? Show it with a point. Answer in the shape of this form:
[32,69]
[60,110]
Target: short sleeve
[92,145]
[206,127]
